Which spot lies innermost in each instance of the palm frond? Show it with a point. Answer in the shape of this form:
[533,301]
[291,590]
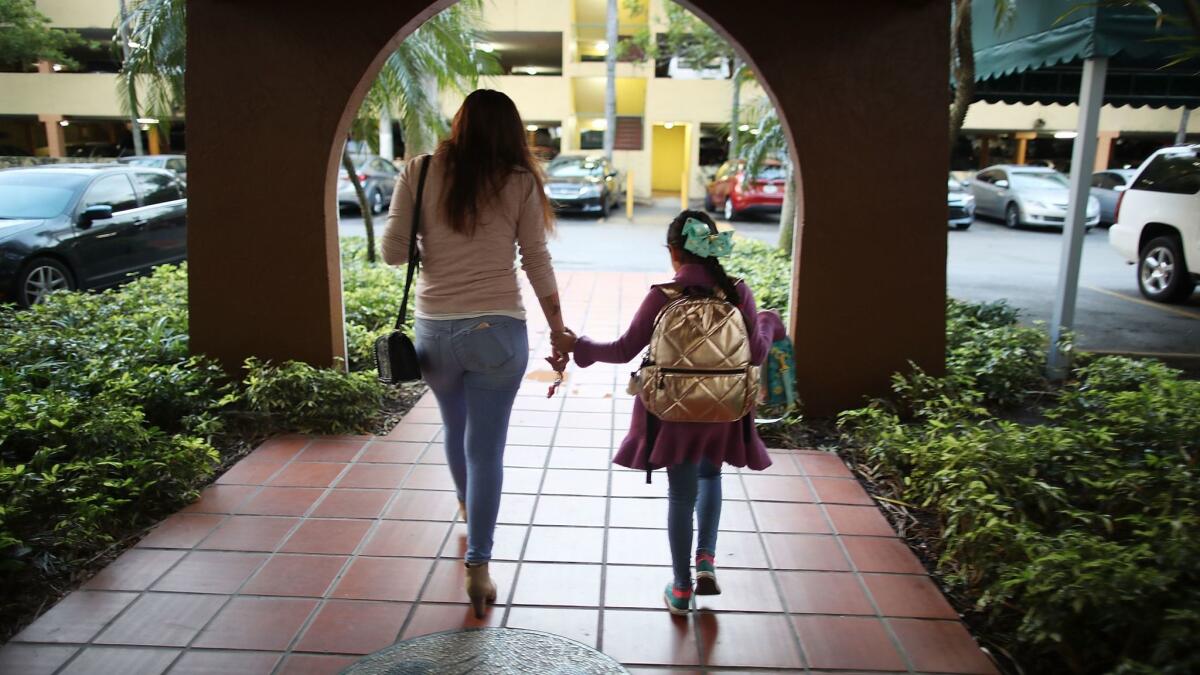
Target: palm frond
[157,33]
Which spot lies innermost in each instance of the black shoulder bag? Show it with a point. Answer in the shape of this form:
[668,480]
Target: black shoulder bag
[395,355]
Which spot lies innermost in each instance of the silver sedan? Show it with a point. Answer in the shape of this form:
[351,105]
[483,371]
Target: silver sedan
[1027,195]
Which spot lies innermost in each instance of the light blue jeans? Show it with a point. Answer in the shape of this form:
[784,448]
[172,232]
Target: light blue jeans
[474,367]
[692,487]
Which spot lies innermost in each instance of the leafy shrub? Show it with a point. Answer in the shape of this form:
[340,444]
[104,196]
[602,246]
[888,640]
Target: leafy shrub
[766,269]
[371,296]
[1077,537]
[298,397]
[107,423]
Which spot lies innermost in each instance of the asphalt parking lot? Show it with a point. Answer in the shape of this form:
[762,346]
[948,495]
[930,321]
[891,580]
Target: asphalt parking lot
[986,262]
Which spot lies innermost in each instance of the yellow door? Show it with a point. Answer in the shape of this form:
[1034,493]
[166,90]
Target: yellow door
[669,157]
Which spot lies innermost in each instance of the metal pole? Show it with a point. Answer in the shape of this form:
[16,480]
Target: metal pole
[1181,135]
[1083,155]
[134,127]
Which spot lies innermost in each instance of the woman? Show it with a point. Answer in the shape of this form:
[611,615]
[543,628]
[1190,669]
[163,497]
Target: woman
[483,198]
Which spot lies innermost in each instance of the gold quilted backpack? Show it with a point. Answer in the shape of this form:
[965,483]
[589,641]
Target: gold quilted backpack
[697,368]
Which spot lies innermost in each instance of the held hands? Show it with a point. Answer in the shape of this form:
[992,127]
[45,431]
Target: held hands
[564,340]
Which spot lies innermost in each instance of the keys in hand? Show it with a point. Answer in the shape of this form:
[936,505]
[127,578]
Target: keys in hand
[559,363]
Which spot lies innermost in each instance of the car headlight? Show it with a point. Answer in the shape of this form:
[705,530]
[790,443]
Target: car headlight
[589,191]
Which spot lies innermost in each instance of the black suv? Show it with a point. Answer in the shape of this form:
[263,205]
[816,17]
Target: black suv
[69,226]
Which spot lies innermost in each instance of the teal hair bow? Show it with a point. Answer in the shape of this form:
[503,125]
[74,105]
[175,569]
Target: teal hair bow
[700,241]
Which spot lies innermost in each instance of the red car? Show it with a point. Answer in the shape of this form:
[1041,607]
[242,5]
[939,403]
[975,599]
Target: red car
[732,193]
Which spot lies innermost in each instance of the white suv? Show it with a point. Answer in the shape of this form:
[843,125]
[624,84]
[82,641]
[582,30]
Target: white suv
[1158,223]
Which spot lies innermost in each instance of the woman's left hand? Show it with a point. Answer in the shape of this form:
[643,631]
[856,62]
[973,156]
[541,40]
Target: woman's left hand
[558,361]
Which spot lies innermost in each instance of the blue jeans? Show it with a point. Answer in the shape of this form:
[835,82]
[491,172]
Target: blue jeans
[474,367]
[692,487]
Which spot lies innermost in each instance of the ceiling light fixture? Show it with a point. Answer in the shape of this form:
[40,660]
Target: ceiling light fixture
[57,67]
[64,123]
[1066,134]
[744,127]
[602,46]
[485,47]
[147,120]
[669,125]
[529,70]
[531,127]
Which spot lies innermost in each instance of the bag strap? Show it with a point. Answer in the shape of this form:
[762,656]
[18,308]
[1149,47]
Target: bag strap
[414,258]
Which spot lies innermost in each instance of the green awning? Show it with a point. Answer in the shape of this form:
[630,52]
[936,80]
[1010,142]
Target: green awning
[1038,58]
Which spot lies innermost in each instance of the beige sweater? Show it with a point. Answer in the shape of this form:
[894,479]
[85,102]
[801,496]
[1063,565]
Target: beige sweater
[465,276]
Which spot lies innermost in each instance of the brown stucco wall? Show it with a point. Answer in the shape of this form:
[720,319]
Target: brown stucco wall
[863,91]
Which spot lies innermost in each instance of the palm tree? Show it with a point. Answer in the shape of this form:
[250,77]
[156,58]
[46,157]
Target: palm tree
[962,56]
[442,53]
[770,142]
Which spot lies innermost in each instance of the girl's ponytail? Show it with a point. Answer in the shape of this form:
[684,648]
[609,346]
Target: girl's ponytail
[675,239]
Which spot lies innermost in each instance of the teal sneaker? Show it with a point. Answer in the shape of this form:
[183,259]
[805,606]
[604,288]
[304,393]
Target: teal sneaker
[706,575]
[678,600]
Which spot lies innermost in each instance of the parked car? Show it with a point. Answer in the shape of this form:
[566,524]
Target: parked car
[1107,187]
[176,163]
[582,183]
[73,226]
[378,178]
[734,193]
[960,203]
[1027,195]
[1158,224]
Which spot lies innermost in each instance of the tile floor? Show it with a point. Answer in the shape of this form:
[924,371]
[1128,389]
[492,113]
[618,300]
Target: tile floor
[313,551]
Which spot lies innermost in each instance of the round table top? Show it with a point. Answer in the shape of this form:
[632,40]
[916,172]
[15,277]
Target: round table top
[486,650]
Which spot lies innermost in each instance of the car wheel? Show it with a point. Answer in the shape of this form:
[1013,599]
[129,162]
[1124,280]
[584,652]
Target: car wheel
[708,203]
[729,212]
[1012,216]
[1162,273]
[39,278]
[962,226]
[376,201]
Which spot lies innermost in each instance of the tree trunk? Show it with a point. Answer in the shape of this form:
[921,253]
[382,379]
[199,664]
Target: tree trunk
[962,50]
[348,166]
[734,121]
[387,144]
[131,85]
[610,85]
[787,215]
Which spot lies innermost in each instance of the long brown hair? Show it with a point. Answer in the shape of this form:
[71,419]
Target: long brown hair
[486,145]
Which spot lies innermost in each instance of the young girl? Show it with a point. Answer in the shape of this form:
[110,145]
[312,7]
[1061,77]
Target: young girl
[693,452]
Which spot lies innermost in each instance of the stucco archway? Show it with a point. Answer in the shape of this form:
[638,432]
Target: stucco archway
[862,92]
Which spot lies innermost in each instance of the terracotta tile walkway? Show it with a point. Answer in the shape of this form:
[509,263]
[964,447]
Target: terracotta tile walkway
[312,551]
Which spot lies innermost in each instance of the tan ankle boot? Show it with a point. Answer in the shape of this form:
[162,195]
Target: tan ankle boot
[480,588]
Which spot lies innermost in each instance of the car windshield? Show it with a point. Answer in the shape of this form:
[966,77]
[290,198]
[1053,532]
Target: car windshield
[35,194]
[1041,180]
[574,167]
[771,172]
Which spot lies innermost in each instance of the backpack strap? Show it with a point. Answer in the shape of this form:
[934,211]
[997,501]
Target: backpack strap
[672,290]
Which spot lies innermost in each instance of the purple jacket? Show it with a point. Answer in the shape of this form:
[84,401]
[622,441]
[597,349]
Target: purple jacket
[735,443]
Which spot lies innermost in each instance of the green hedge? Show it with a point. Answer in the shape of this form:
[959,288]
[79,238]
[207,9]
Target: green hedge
[1074,531]
[107,423]
[767,270]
